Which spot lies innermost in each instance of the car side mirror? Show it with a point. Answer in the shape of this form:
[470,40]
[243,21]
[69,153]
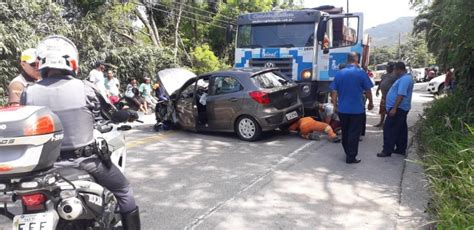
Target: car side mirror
[325,50]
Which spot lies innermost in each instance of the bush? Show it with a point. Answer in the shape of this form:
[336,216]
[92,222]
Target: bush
[139,60]
[205,61]
[447,138]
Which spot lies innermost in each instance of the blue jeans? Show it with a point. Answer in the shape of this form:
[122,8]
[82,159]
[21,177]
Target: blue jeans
[395,132]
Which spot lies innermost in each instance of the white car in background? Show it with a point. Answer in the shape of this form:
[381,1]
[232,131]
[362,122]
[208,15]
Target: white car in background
[436,85]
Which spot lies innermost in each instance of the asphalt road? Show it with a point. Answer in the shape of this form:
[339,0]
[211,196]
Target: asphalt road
[185,180]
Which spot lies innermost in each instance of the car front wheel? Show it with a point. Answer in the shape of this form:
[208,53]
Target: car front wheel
[247,128]
[440,89]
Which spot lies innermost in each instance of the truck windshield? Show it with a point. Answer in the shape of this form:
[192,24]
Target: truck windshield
[276,35]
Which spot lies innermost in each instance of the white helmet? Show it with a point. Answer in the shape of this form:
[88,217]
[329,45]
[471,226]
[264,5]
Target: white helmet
[58,52]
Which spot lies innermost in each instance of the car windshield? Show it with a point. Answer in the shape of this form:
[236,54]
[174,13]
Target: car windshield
[276,35]
[269,80]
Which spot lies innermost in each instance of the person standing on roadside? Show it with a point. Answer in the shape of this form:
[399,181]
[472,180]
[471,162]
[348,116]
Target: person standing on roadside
[96,76]
[29,75]
[449,81]
[387,81]
[347,97]
[395,130]
[112,84]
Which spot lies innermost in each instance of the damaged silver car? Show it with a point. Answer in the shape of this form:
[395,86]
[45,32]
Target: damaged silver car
[245,101]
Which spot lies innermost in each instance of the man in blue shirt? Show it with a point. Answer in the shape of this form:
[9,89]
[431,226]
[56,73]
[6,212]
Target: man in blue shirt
[348,88]
[398,103]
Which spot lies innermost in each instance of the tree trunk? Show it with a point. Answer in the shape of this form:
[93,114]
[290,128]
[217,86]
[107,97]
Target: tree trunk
[155,29]
[128,36]
[185,52]
[148,26]
[176,32]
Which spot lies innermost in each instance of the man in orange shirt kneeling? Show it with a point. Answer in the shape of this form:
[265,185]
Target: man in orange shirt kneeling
[307,125]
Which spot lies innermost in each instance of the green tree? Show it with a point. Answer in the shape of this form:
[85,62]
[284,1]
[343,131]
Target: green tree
[382,54]
[417,54]
[103,30]
[205,60]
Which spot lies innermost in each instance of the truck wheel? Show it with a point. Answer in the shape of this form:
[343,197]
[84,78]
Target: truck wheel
[247,128]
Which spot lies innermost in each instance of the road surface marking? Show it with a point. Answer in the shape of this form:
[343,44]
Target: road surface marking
[146,140]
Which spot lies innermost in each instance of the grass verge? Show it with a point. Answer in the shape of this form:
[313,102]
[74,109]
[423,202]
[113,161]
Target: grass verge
[447,146]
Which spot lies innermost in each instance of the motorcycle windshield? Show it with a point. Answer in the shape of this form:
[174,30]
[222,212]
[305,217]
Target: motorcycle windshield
[173,79]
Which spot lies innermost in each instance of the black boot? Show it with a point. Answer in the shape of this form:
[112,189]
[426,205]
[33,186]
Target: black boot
[131,220]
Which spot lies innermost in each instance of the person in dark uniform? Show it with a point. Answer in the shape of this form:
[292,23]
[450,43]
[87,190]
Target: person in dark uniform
[76,105]
[395,129]
[347,96]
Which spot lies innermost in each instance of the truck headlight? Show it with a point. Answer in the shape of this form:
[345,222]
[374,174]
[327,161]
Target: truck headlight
[306,74]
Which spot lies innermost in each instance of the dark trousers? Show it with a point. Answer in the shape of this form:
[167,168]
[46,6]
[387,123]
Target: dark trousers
[111,178]
[351,127]
[395,132]
[364,124]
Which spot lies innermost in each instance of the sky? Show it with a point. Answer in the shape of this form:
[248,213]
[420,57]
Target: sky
[376,12]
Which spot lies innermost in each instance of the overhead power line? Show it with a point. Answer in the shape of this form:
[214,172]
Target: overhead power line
[200,15]
[204,11]
[171,13]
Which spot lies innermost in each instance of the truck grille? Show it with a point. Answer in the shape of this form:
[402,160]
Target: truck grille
[284,64]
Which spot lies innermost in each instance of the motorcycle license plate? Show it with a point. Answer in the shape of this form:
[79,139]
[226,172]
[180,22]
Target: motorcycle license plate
[40,221]
[292,115]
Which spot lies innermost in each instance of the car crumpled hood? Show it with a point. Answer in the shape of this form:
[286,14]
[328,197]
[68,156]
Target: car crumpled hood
[173,79]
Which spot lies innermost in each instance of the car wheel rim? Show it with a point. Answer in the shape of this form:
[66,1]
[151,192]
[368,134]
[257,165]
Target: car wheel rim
[247,128]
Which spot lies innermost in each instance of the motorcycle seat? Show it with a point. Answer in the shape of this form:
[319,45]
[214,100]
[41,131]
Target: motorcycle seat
[72,174]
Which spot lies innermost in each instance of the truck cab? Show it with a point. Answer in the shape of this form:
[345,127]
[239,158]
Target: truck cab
[307,45]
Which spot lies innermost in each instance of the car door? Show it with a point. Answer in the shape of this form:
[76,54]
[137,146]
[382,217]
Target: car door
[186,111]
[224,101]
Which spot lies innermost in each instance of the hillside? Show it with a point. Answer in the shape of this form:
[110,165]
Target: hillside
[387,34]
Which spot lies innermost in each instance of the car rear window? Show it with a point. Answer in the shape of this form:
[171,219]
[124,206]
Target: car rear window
[269,80]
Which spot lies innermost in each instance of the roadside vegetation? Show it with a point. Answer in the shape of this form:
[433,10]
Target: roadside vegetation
[447,144]
[447,133]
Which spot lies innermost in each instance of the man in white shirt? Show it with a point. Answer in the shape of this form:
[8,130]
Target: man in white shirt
[96,76]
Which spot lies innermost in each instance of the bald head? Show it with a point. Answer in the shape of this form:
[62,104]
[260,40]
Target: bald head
[352,58]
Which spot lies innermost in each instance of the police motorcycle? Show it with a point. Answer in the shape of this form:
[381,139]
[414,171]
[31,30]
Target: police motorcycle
[52,197]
